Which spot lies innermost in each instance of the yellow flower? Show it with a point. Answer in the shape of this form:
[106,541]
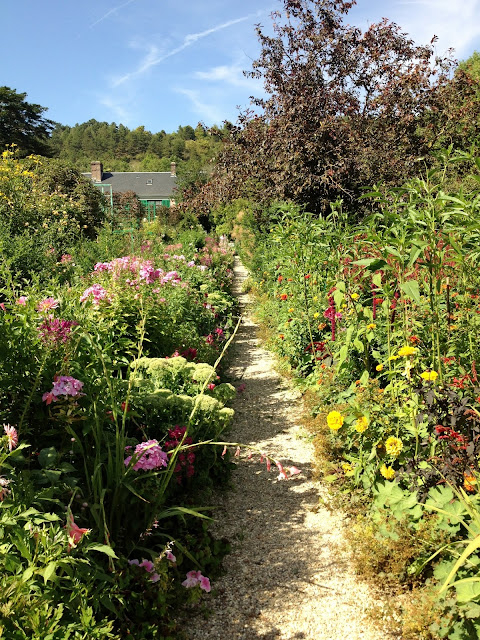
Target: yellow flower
[429,375]
[387,472]
[361,424]
[393,358]
[393,446]
[407,351]
[379,367]
[354,296]
[316,314]
[372,325]
[335,420]
[347,468]
[315,298]
[291,310]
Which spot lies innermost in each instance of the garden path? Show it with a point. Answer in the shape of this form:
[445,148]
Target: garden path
[286,577]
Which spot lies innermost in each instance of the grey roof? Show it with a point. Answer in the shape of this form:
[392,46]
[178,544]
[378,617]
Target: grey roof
[148,185]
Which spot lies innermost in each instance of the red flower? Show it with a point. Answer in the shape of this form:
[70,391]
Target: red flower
[75,533]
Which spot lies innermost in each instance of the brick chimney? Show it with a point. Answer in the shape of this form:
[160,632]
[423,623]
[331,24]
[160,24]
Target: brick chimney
[173,169]
[97,171]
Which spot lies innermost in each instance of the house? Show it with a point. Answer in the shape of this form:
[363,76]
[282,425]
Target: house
[153,188]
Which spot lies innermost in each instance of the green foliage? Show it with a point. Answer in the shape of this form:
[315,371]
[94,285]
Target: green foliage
[22,124]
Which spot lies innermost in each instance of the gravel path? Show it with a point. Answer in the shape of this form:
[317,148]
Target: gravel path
[286,577]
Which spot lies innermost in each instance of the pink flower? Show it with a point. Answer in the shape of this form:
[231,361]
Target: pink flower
[66,258]
[169,556]
[47,304]
[154,577]
[54,330]
[48,397]
[150,456]
[211,386]
[282,475]
[22,300]
[12,436]
[75,533]
[2,306]
[225,449]
[193,578]
[294,471]
[205,584]
[147,565]
[97,292]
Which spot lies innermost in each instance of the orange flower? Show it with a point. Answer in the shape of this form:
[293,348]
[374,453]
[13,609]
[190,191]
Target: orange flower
[283,296]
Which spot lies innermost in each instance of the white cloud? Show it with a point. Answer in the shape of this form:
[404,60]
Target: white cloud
[209,112]
[229,74]
[456,23]
[120,113]
[154,57]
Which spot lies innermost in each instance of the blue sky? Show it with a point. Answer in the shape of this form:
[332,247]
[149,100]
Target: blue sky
[165,63]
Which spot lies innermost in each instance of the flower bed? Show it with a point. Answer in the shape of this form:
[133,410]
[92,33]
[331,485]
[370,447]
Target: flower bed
[379,323]
[106,390]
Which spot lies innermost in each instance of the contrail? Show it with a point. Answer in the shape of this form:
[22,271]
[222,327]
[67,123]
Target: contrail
[151,61]
[109,13]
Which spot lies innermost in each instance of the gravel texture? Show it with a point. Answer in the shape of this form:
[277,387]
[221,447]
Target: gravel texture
[286,577]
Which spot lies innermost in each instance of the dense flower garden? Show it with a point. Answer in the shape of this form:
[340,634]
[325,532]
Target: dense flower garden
[379,324]
[109,380]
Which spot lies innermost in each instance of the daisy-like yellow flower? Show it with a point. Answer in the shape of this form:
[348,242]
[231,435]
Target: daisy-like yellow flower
[407,351]
[387,472]
[335,420]
[429,375]
[361,424]
[379,367]
[372,325]
[393,358]
[354,296]
[291,310]
[346,466]
[316,314]
[393,446]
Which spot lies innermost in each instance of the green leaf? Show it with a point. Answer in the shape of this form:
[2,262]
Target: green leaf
[468,589]
[411,290]
[471,548]
[27,574]
[330,478]
[103,548]
[47,457]
[359,346]
[49,571]
[372,264]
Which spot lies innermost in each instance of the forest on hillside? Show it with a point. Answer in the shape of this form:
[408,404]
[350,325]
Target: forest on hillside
[122,149]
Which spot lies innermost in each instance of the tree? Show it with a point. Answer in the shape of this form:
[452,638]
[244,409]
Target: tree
[345,109]
[22,123]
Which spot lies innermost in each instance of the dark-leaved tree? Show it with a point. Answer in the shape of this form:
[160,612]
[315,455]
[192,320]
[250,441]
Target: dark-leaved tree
[22,124]
[346,108]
